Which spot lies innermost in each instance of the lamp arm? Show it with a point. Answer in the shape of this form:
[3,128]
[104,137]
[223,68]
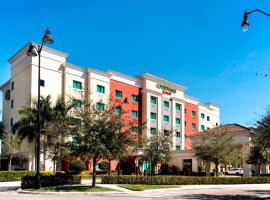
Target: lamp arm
[40,47]
[257,10]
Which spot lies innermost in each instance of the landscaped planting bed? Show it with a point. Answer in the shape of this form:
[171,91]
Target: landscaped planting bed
[182,180]
[50,180]
[17,175]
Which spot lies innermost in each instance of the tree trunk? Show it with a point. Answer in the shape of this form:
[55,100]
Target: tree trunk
[217,172]
[118,168]
[94,172]
[153,166]
[109,166]
[10,162]
[44,153]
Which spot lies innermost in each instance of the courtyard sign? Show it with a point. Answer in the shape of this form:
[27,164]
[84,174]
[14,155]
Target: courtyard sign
[165,89]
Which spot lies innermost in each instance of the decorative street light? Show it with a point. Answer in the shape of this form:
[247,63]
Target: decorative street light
[245,23]
[36,51]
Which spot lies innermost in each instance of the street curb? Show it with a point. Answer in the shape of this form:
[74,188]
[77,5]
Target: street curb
[72,193]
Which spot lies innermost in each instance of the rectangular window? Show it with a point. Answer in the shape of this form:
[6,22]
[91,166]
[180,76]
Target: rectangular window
[12,103]
[118,110]
[177,147]
[208,118]
[134,98]
[185,123]
[193,113]
[216,124]
[118,93]
[178,134]
[185,111]
[166,118]
[77,85]
[100,89]
[202,115]
[178,106]
[202,127]
[100,106]
[177,121]
[135,129]
[12,85]
[78,103]
[153,100]
[153,130]
[42,83]
[11,122]
[166,104]
[193,126]
[134,113]
[153,115]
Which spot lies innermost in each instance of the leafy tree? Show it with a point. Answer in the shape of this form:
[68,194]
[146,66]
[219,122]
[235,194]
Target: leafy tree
[218,147]
[59,131]
[259,152]
[100,131]
[157,149]
[11,147]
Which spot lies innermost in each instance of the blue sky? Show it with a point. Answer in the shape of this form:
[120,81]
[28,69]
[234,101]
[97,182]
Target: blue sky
[198,44]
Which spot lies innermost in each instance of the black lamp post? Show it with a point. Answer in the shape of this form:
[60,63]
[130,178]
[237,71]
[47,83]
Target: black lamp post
[36,51]
[245,23]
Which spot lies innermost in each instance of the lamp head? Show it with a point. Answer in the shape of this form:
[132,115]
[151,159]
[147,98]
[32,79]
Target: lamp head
[32,51]
[245,23]
[47,38]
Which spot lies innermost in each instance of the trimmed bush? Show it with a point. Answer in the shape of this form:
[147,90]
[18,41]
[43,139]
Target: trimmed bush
[77,166]
[17,175]
[182,180]
[104,166]
[50,180]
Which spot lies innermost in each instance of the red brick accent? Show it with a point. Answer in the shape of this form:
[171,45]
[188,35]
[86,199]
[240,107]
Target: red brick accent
[189,119]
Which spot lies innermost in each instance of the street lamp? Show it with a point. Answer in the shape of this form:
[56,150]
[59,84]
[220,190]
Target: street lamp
[36,51]
[245,23]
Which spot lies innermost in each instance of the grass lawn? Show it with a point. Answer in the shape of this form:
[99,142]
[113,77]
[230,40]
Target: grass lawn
[74,189]
[146,187]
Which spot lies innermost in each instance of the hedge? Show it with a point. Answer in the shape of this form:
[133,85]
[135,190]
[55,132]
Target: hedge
[17,175]
[182,180]
[50,180]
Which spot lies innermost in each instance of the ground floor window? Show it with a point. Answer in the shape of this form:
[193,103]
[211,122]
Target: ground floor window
[187,165]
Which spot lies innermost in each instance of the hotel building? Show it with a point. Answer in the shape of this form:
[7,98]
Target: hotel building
[161,104]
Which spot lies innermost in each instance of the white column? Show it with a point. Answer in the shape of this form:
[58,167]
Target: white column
[245,153]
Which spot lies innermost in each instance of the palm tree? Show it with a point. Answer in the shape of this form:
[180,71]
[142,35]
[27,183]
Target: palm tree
[26,127]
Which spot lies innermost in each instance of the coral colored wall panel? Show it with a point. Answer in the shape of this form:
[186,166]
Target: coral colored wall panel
[189,119]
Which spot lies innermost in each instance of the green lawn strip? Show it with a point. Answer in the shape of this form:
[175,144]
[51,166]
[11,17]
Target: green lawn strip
[73,189]
[146,187]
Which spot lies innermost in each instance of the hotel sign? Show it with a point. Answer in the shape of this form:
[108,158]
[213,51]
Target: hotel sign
[165,89]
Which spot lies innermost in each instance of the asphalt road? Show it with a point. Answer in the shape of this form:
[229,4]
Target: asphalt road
[217,192]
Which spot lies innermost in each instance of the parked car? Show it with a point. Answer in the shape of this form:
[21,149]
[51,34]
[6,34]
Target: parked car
[234,171]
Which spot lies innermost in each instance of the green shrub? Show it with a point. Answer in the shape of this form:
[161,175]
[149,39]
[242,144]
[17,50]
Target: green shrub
[104,166]
[182,180]
[17,175]
[77,166]
[50,180]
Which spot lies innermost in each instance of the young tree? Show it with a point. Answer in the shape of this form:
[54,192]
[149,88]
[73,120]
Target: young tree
[59,131]
[158,149]
[100,131]
[218,147]
[11,147]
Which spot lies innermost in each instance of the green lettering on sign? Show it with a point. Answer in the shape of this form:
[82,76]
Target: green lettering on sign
[166,88]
